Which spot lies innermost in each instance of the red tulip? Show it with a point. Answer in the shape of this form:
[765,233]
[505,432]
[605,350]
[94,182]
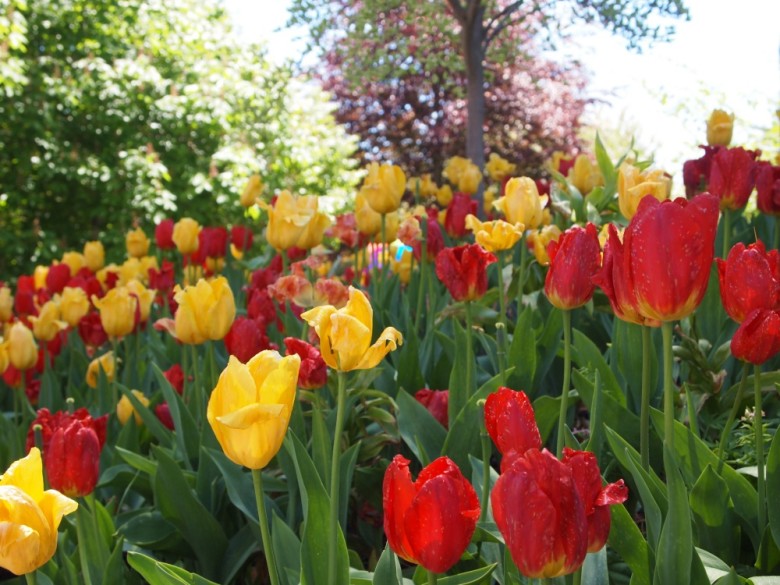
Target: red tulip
[313,372]
[50,423]
[162,280]
[768,188]
[245,339]
[668,250]
[758,337]
[539,512]
[163,235]
[163,413]
[749,279]
[24,298]
[595,498]
[175,377]
[733,176]
[574,260]
[455,220]
[429,521]
[437,402]
[241,237]
[434,239]
[57,278]
[91,330]
[612,280]
[463,270]
[72,458]
[696,172]
[510,422]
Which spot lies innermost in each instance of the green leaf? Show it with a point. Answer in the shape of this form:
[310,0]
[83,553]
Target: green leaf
[148,529]
[713,512]
[468,578]
[773,486]
[186,434]
[731,579]
[157,573]
[522,352]
[626,354]
[137,461]
[594,569]
[626,539]
[459,381]
[175,500]
[347,463]
[675,548]
[242,545]
[388,569]
[321,442]
[586,354]
[419,430]
[649,505]
[158,430]
[287,550]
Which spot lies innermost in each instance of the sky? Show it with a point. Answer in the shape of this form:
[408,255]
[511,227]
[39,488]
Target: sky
[726,56]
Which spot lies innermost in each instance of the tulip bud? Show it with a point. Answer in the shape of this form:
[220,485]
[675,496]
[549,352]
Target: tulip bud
[22,350]
[163,235]
[185,235]
[384,187]
[125,408]
[119,311]
[574,260]
[252,190]
[137,243]
[6,304]
[107,363]
[720,126]
[74,304]
[72,459]
[74,260]
[94,255]
[522,203]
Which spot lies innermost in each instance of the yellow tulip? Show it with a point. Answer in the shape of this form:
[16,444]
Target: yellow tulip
[125,408]
[102,274]
[185,235]
[720,127]
[559,157]
[250,408]
[314,232]
[144,295]
[495,236]
[539,240]
[5,359]
[295,221]
[39,276]
[522,203]
[29,516]
[117,311]
[384,187]
[105,362]
[403,266]
[137,243]
[369,222]
[94,255]
[470,179]
[6,304]
[345,334]
[424,185]
[585,175]
[498,168]
[22,350]
[444,195]
[206,311]
[48,324]
[146,264]
[74,304]
[129,271]
[489,197]
[454,167]
[252,190]
[634,184]
[75,261]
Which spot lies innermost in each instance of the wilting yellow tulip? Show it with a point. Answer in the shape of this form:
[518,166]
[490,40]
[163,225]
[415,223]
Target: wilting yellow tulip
[424,185]
[495,236]
[22,350]
[137,243]
[498,168]
[585,175]
[295,221]
[206,311]
[250,408]
[720,127]
[384,187]
[105,362]
[94,255]
[6,304]
[185,235]
[145,297]
[634,184]
[252,190]
[118,311]
[29,516]
[48,324]
[444,195]
[75,261]
[345,334]
[522,203]
[369,222]
[125,408]
[539,240]
[74,304]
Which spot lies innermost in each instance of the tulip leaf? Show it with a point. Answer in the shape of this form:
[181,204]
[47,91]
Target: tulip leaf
[421,432]
[175,500]
[315,542]
[158,430]
[675,548]
[388,569]
[522,352]
[594,569]
[347,464]
[586,354]
[626,355]
[158,573]
[650,506]
[713,512]
[137,461]
[713,566]
[149,530]
[114,571]
[773,486]
[626,455]
[548,343]
[626,539]
[461,386]
[242,545]
[321,441]
[546,412]
[694,455]
[468,578]
[287,550]
[731,578]
[186,435]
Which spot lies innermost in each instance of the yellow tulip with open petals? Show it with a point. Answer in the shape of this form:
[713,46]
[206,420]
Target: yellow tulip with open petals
[250,408]
[495,236]
[634,184]
[345,334]
[48,324]
[29,516]
[118,309]
[206,311]
[295,221]
[74,304]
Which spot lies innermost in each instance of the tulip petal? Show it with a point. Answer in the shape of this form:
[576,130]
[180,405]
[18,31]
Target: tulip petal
[319,319]
[349,339]
[398,491]
[243,418]
[26,474]
[20,546]
[388,341]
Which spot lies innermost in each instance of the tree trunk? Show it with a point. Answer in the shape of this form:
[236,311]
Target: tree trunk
[473,38]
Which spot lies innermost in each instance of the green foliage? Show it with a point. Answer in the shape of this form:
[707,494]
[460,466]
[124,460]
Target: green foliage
[125,111]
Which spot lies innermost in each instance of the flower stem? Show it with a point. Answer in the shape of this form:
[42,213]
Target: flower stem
[257,480]
[486,451]
[421,289]
[501,325]
[334,476]
[644,415]
[566,380]
[431,578]
[31,578]
[666,330]
[521,276]
[726,232]
[733,414]
[381,277]
[470,381]
[758,428]
[81,535]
